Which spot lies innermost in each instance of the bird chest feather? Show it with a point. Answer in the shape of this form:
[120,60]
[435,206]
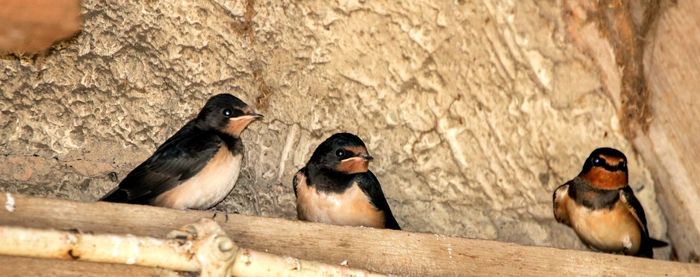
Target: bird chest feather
[208,187]
[350,207]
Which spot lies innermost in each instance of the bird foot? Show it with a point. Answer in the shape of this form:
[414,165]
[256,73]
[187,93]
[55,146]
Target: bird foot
[77,231]
[217,213]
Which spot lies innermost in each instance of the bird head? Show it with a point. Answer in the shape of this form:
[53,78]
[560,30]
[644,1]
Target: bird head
[227,114]
[343,153]
[606,169]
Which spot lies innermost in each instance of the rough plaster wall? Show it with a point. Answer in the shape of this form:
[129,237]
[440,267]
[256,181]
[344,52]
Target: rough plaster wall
[475,111]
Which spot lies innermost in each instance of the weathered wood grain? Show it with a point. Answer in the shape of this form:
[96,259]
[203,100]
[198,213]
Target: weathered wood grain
[377,250]
[670,147]
[20,267]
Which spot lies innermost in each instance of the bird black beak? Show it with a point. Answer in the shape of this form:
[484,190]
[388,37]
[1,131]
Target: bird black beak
[251,113]
[256,115]
[367,157]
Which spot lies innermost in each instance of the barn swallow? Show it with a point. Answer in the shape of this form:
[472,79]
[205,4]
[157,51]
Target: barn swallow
[198,166]
[601,207]
[337,187]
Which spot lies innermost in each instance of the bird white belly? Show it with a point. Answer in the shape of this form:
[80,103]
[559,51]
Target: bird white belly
[351,207]
[606,229]
[208,187]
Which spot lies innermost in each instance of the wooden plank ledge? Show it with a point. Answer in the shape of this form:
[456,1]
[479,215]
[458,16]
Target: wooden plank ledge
[384,251]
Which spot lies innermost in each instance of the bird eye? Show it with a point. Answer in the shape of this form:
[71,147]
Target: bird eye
[597,161]
[227,112]
[340,153]
[623,165]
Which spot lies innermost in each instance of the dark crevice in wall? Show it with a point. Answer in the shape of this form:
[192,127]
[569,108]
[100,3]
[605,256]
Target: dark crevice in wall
[615,22]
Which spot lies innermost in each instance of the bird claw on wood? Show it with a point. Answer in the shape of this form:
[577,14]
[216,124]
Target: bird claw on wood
[217,213]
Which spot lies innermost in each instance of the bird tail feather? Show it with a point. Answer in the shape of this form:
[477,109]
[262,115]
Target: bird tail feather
[655,243]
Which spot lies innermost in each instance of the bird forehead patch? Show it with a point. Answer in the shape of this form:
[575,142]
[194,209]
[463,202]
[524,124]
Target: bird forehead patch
[355,149]
[611,160]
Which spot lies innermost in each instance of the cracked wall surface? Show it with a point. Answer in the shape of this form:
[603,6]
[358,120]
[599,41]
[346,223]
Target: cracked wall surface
[474,110]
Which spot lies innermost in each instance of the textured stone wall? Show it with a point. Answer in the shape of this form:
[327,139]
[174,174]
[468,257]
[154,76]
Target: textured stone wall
[474,110]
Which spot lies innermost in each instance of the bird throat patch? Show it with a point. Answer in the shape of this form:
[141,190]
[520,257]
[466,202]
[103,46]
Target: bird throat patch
[236,125]
[603,179]
[353,165]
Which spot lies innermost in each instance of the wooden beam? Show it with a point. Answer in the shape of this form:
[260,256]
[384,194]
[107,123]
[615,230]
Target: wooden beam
[20,266]
[385,251]
[670,146]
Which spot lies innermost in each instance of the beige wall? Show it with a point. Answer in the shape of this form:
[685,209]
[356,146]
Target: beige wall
[474,110]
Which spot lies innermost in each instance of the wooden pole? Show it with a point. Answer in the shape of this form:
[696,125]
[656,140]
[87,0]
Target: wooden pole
[23,266]
[52,244]
[203,247]
[386,251]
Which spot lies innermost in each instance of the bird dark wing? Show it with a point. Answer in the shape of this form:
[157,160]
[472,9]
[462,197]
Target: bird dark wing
[295,181]
[635,208]
[560,195]
[179,158]
[370,185]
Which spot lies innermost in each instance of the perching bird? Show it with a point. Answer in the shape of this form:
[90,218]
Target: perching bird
[336,186]
[602,209]
[198,166]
